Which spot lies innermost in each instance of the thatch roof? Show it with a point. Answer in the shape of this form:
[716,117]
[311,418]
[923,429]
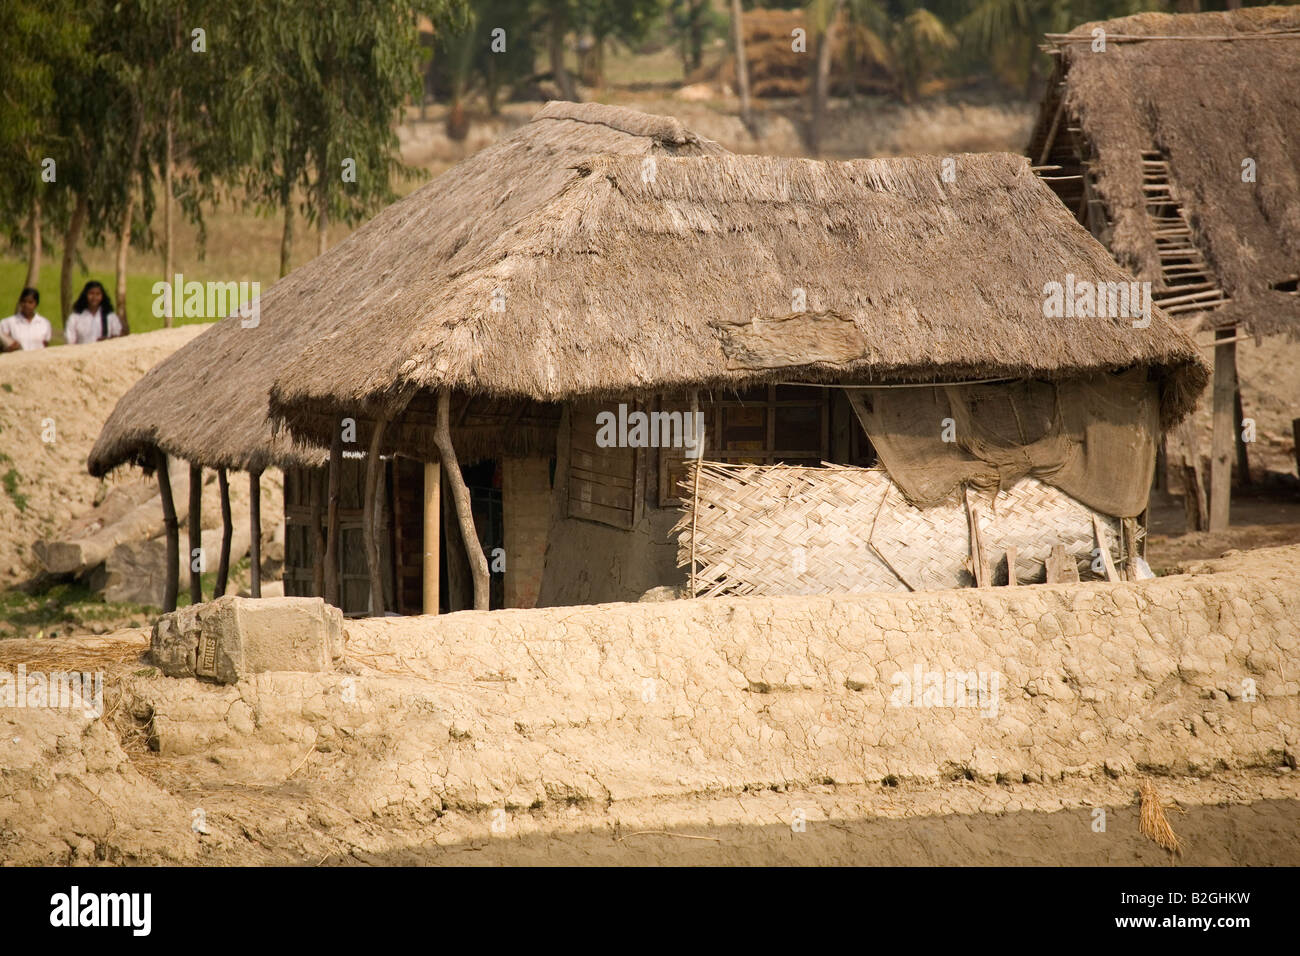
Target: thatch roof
[629,282]
[208,401]
[1208,104]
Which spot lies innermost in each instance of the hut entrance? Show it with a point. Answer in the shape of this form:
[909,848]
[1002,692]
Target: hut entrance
[455,590]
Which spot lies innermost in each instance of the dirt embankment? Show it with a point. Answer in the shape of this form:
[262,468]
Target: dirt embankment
[53,404]
[742,730]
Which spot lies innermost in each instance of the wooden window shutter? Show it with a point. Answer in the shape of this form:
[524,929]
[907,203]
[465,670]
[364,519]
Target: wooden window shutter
[604,483]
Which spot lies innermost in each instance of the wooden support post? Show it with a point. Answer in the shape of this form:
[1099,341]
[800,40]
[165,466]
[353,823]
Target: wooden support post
[317,477]
[1011,566]
[227,533]
[332,595]
[196,532]
[478,565]
[432,530]
[370,516]
[1295,441]
[1238,427]
[255,532]
[1221,451]
[1061,568]
[173,530]
[1107,562]
[978,561]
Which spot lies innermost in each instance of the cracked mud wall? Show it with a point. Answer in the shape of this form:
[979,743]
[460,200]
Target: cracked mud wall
[523,708]
[666,713]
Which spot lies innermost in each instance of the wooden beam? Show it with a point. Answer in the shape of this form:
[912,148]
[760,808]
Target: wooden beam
[317,477]
[255,533]
[1061,568]
[227,533]
[172,529]
[370,517]
[1011,566]
[1051,132]
[1295,441]
[332,595]
[1238,427]
[196,532]
[1107,562]
[478,565]
[979,563]
[1221,450]
[432,530]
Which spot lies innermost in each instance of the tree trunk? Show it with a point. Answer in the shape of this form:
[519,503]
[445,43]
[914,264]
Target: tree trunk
[695,41]
[124,236]
[478,565]
[123,246]
[822,78]
[742,68]
[322,209]
[71,239]
[286,235]
[556,42]
[168,162]
[34,247]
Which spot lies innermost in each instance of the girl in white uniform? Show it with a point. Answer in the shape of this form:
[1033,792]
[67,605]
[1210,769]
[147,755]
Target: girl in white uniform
[93,317]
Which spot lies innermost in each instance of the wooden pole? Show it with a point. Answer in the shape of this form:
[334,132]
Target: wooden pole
[332,595]
[172,527]
[317,477]
[196,531]
[432,528]
[1238,426]
[370,517]
[227,532]
[255,532]
[1222,448]
[478,565]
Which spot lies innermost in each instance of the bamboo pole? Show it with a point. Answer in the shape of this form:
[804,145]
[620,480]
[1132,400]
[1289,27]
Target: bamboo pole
[370,517]
[173,530]
[695,494]
[196,532]
[478,565]
[432,529]
[317,477]
[255,532]
[332,595]
[227,533]
[1222,443]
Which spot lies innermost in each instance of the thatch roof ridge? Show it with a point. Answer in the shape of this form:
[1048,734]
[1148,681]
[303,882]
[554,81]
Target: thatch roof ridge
[1208,105]
[1211,23]
[208,401]
[627,280]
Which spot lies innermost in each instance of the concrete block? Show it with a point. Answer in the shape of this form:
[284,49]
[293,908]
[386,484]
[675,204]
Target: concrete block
[233,637]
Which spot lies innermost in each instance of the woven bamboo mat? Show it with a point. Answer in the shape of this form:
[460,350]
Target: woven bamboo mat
[777,529]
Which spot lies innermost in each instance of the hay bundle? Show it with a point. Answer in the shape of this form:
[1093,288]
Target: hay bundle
[1154,824]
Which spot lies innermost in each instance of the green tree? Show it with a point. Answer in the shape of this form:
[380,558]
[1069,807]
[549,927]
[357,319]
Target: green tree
[40,41]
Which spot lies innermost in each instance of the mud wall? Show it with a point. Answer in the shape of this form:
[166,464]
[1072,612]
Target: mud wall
[591,563]
[523,708]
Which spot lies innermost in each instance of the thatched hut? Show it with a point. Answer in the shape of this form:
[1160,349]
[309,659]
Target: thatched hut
[503,328]
[1172,138]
